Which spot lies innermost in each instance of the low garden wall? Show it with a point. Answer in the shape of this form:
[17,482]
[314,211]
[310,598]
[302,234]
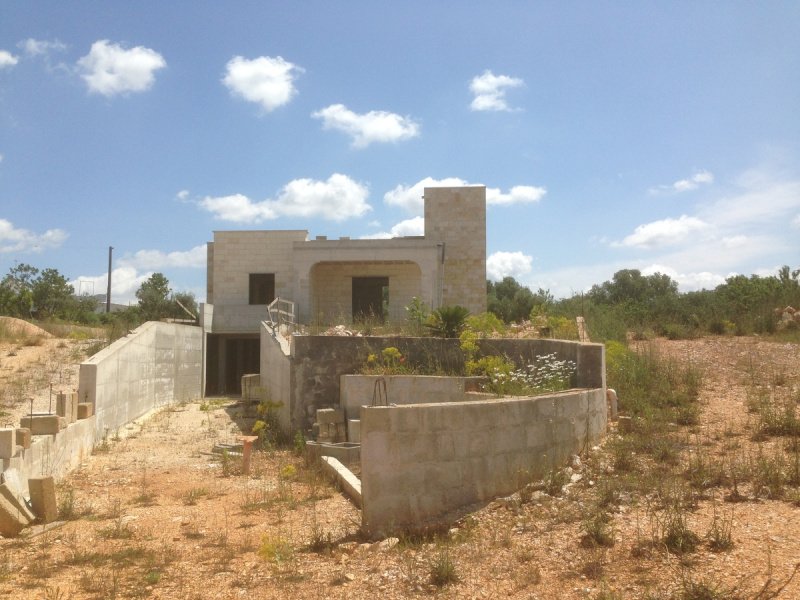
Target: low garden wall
[318,362]
[356,391]
[422,463]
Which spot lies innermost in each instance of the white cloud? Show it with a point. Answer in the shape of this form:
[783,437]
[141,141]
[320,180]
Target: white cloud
[34,47]
[13,239]
[364,129]
[662,233]
[490,91]
[182,196]
[508,264]
[685,185]
[519,194]
[410,197]
[156,260]
[687,282]
[124,283]
[336,199]
[7,59]
[110,69]
[264,80]
[410,227]
[796,222]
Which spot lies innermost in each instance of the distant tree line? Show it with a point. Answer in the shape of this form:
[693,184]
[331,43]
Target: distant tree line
[652,304]
[46,295]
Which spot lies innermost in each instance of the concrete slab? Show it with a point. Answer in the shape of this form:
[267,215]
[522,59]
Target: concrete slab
[354,431]
[43,498]
[351,485]
[14,496]
[8,442]
[11,520]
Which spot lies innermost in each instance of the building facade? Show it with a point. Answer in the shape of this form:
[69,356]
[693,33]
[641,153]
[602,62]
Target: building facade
[339,281]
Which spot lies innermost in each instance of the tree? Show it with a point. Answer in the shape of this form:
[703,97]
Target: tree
[513,302]
[52,294]
[153,295]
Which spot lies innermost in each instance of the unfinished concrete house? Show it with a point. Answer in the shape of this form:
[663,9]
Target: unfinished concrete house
[424,446]
[338,281]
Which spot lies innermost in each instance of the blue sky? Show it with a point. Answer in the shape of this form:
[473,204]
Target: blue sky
[663,136]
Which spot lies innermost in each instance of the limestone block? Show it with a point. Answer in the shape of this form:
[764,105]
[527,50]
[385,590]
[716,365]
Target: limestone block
[64,405]
[42,424]
[330,415]
[11,520]
[8,442]
[16,500]
[23,437]
[43,498]
[85,410]
[74,401]
[354,431]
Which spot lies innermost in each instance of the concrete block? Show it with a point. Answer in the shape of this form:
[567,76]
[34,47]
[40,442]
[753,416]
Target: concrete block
[85,410]
[43,498]
[330,415]
[74,402]
[354,431]
[66,406]
[8,442]
[11,520]
[23,437]
[41,424]
[15,498]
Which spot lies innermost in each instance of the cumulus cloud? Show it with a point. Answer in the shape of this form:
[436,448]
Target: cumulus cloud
[687,282]
[7,59]
[410,227]
[336,199]
[33,47]
[110,69]
[663,233]
[155,260]
[519,194]
[410,198]
[182,196]
[124,283]
[490,91]
[13,239]
[265,80]
[685,185]
[365,129]
[508,264]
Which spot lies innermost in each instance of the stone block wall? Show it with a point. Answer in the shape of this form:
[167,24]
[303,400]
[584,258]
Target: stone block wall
[332,285]
[318,362]
[422,464]
[237,254]
[456,217]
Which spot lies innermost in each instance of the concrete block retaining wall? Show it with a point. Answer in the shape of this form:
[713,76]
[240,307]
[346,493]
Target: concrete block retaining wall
[422,463]
[318,362]
[358,390]
[155,365]
[54,455]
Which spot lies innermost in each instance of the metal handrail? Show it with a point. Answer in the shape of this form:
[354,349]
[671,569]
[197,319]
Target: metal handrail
[281,312]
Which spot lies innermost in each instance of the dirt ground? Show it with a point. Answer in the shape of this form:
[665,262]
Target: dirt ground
[155,514]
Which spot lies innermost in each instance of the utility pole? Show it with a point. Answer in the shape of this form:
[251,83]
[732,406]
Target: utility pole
[108,292]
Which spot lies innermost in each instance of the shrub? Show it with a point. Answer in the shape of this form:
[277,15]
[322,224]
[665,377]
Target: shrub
[447,321]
